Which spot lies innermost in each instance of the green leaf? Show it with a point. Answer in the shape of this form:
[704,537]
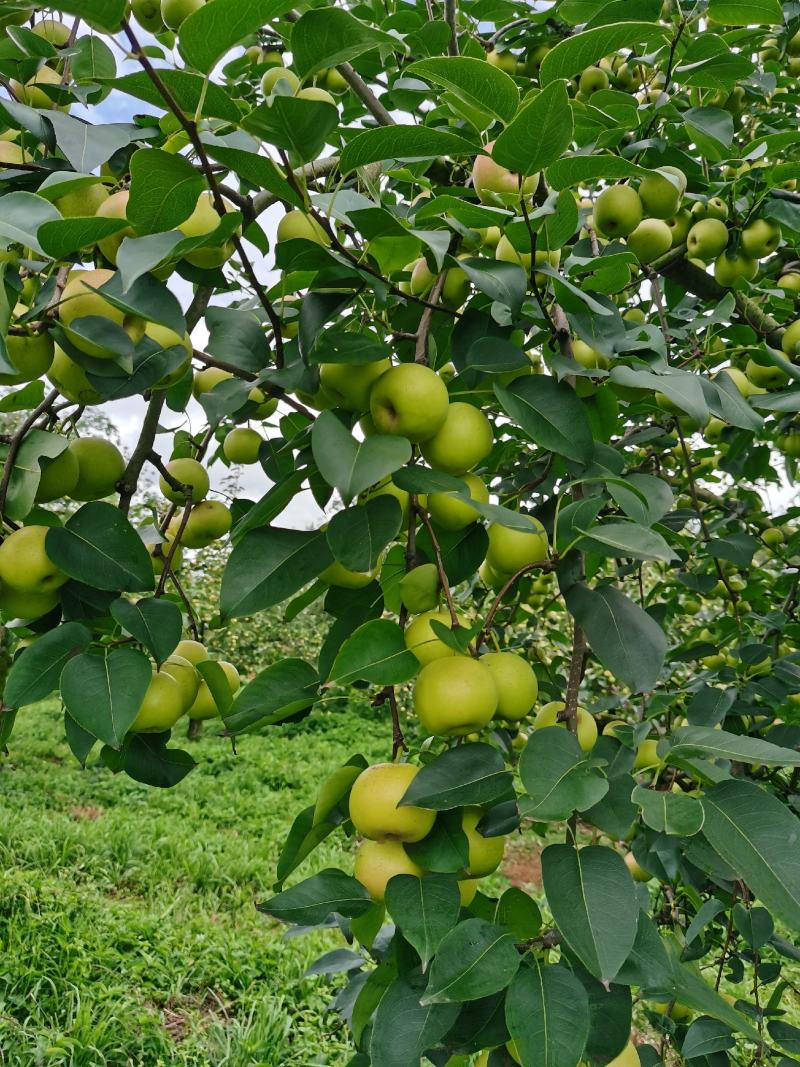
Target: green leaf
[746,12]
[625,639]
[107,14]
[578,170]
[445,848]
[424,909]
[688,741]
[21,216]
[298,125]
[309,903]
[655,501]
[627,539]
[786,1035]
[352,466]
[667,812]
[711,128]
[519,913]
[471,774]
[690,987]
[148,760]
[258,170]
[35,672]
[757,835]
[402,143]
[471,80]
[505,283]
[65,236]
[550,414]
[191,92]
[706,1036]
[547,1012]
[276,693]
[328,36]
[475,959]
[87,146]
[539,134]
[164,190]
[208,33]
[268,566]
[27,471]
[682,388]
[156,624]
[98,546]
[104,692]
[403,1027]
[610,1012]
[557,776]
[593,901]
[574,54]
[375,653]
[358,535]
[709,63]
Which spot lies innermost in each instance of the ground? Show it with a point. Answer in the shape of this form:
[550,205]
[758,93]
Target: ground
[128,931]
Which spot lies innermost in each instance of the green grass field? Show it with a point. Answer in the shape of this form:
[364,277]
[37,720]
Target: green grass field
[128,932]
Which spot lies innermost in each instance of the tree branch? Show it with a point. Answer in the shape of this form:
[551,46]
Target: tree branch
[127,484]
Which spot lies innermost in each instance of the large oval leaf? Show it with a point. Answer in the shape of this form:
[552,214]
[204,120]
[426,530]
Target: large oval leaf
[98,546]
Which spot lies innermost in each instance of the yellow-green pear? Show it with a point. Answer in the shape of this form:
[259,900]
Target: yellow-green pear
[461,442]
[424,642]
[377,862]
[25,565]
[189,473]
[452,512]
[161,708]
[100,467]
[517,685]
[375,807]
[454,696]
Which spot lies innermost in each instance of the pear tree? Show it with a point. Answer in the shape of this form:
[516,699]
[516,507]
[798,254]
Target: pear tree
[506,298]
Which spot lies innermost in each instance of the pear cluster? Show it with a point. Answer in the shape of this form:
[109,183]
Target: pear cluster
[179,689]
[387,825]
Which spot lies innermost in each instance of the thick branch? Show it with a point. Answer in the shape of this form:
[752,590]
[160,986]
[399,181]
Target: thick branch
[450,16]
[144,446]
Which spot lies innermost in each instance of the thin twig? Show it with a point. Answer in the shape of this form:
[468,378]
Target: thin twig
[16,443]
[443,579]
[421,349]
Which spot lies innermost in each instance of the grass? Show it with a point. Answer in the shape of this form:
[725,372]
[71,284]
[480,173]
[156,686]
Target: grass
[128,932]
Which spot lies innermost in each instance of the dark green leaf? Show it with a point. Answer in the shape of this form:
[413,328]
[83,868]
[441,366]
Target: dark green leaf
[268,566]
[746,12]
[104,692]
[703,741]
[471,774]
[277,692]
[157,624]
[757,835]
[402,143]
[471,80]
[190,91]
[547,1011]
[573,54]
[424,909]
[99,546]
[669,813]
[402,1028]
[593,901]
[625,639]
[540,133]
[706,1036]
[35,672]
[310,902]
[147,759]
[164,190]
[325,37]
[210,31]
[298,125]
[557,776]
[352,466]
[358,535]
[550,413]
[474,960]
[375,653]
